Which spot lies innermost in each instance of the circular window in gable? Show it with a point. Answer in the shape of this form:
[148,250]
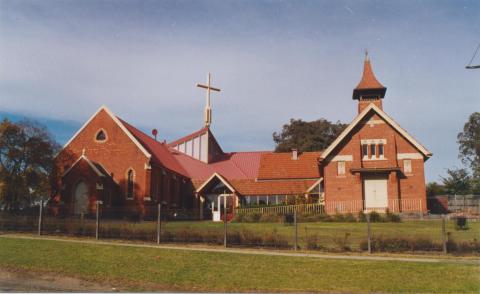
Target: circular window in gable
[101,136]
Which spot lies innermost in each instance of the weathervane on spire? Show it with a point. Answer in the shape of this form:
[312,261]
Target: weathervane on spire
[208,110]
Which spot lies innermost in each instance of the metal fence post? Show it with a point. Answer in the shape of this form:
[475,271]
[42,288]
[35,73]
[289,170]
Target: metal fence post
[40,218]
[159,222]
[97,224]
[444,235]
[225,221]
[296,229]
[369,233]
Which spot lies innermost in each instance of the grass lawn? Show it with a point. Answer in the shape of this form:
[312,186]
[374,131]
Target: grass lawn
[152,269]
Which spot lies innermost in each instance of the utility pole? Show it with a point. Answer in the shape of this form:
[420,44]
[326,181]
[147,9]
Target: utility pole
[97,224]
[40,218]
[159,222]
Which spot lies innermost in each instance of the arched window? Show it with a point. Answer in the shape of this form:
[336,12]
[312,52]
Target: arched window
[101,136]
[130,184]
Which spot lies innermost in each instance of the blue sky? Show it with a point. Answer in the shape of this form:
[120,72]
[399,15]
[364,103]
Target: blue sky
[274,60]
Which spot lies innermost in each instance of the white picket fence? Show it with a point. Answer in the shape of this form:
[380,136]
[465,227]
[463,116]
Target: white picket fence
[283,209]
[333,207]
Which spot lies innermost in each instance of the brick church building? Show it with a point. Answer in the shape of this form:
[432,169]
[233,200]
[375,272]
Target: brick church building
[374,164]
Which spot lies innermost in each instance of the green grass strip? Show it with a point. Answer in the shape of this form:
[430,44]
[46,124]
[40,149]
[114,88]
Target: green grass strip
[162,269]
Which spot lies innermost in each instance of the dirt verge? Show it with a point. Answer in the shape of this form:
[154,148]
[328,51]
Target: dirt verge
[25,281]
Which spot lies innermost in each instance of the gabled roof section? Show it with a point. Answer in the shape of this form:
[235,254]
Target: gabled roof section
[189,137]
[119,124]
[282,166]
[389,120]
[207,152]
[97,168]
[161,153]
[218,176]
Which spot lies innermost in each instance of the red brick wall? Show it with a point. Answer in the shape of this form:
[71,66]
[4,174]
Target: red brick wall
[350,187]
[364,103]
[81,172]
[117,154]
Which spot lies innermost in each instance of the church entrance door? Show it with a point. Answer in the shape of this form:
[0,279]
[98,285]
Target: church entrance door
[81,198]
[376,195]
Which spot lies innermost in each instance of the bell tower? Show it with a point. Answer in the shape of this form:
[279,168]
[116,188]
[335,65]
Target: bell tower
[369,90]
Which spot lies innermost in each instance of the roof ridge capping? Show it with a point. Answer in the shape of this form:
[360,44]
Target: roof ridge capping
[384,115]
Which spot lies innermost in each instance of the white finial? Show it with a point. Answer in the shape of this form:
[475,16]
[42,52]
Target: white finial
[83,152]
[208,110]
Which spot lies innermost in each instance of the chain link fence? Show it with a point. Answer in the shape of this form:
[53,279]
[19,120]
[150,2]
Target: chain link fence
[308,229]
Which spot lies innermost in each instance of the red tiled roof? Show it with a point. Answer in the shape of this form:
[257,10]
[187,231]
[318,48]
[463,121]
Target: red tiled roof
[282,166]
[283,187]
[160,152]
[368,81]
[240,169]
[233,165]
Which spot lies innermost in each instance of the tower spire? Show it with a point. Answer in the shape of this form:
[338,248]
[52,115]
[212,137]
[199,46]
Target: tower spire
[369,89]
[208,109]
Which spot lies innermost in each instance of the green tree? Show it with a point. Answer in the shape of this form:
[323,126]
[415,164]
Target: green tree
[469,144]
[307,136]
[433,189]
[27,150]
[458,181]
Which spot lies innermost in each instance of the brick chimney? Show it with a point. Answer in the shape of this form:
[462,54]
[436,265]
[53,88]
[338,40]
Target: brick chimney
[369,90]
[294,153]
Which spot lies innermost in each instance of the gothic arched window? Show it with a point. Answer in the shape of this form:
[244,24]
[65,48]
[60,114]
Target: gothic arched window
[130,184]
[101,136]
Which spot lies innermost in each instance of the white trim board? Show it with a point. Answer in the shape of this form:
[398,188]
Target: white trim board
[222,179]
[342,158]
[383,115]
[95,169]
[409,156]
[120,125]
[315,185]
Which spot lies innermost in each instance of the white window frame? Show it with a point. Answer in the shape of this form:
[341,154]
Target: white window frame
[101,130]
[381,156]
[373,150]
[365,154]
[407,166]
[340,168]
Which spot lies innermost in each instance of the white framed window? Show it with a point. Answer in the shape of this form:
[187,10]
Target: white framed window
[364,151]
[340,168]
[373,149]
[407,166]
